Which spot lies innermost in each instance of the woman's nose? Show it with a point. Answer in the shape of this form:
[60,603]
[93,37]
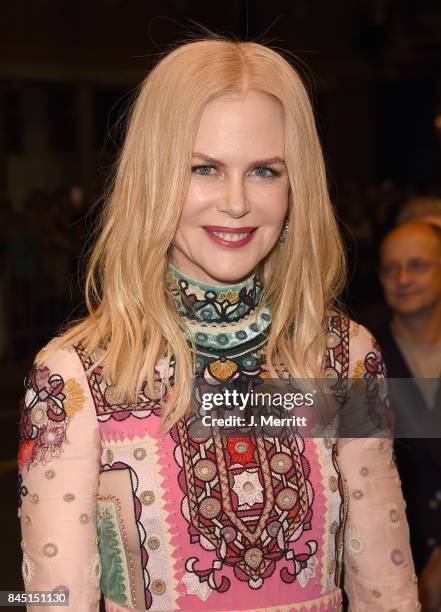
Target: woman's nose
[234,200]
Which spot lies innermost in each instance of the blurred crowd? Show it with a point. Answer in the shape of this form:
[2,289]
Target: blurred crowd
[42,248]
[365,217]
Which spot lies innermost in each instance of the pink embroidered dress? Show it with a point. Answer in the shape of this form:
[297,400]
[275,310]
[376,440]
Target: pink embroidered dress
[191,522]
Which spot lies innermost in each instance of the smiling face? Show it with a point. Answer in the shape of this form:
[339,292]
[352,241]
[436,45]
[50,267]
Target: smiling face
[237,199]
[411,269]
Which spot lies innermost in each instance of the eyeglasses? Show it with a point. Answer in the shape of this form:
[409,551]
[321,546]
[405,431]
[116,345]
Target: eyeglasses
[415,267]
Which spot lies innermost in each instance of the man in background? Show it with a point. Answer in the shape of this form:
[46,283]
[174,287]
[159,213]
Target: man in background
[410,274]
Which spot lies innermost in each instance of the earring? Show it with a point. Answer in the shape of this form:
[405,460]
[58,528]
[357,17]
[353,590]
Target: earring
[284,233]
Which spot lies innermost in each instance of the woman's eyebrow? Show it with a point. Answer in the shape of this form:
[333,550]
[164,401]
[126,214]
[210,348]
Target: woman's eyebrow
[257,162]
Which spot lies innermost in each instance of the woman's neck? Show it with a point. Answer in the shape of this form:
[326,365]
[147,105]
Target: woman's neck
[220,316]
[209,302]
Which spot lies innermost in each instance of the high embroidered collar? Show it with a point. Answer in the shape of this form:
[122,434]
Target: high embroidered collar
[209,303]
[220,316]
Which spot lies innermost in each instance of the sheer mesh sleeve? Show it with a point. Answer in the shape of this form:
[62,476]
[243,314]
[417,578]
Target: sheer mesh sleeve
[58,471]
[379,569]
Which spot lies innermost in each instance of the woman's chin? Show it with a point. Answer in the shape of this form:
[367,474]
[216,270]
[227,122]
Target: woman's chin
[228,275]
[217,269]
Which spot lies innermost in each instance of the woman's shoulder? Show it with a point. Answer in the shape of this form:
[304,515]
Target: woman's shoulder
[57,405]
[60,355]
[361,339]
[357,341]
[357,334]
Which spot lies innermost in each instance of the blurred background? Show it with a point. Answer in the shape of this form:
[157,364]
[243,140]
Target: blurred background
[69,70]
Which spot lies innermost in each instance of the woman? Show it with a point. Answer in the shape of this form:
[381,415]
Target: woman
[218,261]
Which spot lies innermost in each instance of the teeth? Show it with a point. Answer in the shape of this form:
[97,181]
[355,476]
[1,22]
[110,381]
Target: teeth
[231,237]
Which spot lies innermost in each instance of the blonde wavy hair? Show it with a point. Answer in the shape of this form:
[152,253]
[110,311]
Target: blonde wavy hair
[130,310]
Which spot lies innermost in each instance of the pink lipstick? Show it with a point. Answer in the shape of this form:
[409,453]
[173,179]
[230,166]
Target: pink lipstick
[232,238]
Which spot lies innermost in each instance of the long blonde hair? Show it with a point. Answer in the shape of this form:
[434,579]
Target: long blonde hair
[130,311]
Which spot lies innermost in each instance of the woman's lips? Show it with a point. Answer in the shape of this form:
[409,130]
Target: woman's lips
[228,237]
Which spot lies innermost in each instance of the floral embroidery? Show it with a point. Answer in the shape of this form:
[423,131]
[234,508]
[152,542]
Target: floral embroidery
[199,301]
[50,550]
[248,488]
[45,411]
[107,405]
[359,370]
[27,569]
[62,589]
[336,361]
[196,587]
[306,570]
[218,317]
[376,399]
[240,449]
[393,515]
[222,369]
[160,369]
[355,542]
[223,477]
[397,556]
[369,392]
[22,491]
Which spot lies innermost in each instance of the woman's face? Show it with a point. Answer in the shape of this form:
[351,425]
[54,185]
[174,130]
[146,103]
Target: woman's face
[237,199]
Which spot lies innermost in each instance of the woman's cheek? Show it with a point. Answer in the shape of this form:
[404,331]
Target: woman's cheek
[272,201]
[200,196]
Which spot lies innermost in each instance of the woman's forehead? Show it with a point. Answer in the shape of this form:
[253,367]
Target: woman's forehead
[231,124]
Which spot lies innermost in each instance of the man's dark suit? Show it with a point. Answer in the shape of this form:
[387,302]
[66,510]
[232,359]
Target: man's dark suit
[418,459]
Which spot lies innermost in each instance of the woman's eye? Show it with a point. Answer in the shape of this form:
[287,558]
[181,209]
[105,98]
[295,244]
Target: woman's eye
[264,172]
[202,170]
